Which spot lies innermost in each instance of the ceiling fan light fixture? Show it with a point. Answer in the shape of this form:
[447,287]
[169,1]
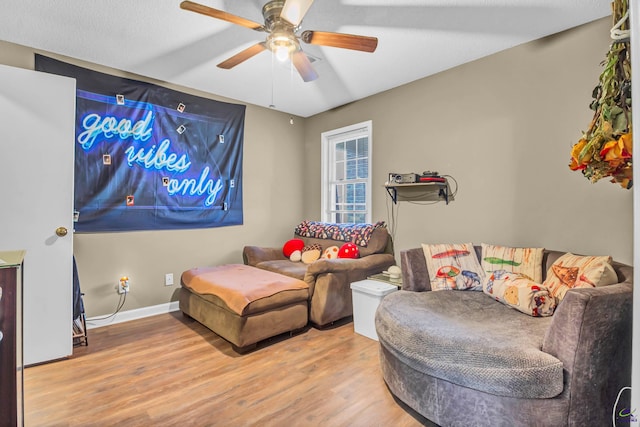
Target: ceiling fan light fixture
[282,45]
[282,53]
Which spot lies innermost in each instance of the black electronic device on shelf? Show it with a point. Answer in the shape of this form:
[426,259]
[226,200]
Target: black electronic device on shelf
[411,187]
[402,178]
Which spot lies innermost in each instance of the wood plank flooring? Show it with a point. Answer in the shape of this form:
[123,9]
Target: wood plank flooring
[168,370]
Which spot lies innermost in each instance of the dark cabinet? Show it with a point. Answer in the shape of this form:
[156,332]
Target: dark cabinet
[11,359]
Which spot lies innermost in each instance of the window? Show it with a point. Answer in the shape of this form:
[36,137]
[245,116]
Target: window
[346,174]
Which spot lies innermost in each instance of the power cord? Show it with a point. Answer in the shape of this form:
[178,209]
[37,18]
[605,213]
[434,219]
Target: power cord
[392,217]
[121,301]
[454,192]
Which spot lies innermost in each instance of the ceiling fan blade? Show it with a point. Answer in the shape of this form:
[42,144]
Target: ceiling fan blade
[344,41]
[295,10]
[242,56]
[219,14]
[303,65]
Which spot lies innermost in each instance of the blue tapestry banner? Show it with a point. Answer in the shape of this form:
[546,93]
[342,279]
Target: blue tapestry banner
[151,158]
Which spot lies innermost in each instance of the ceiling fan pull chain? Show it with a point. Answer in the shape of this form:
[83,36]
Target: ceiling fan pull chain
[272,105]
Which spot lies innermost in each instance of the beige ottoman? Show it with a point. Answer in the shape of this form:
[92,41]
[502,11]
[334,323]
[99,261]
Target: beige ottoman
[244,304]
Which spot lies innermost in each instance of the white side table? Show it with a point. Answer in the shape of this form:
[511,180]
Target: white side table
[367,294]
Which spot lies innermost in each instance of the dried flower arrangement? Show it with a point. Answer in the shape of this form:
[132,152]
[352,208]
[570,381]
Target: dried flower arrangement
[605,149]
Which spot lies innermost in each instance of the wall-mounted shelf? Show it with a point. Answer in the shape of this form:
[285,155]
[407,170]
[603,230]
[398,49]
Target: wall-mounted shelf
[420,192]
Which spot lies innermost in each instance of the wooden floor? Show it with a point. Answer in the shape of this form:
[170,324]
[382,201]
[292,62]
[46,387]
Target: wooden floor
[169,370]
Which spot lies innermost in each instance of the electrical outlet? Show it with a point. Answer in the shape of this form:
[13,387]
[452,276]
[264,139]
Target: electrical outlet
[123,288]
[168,279]
[123,285]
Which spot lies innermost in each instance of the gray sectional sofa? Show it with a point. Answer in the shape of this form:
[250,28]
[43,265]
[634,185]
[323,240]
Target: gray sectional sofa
[460,358]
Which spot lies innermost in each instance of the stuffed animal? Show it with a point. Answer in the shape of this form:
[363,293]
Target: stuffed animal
[292,249]
[349,250]
[331,252]
[296,256]
[311,253]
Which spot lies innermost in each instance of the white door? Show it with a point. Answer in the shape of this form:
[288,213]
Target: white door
[37,116]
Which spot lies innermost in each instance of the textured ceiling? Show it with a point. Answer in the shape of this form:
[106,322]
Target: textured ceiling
[417,38]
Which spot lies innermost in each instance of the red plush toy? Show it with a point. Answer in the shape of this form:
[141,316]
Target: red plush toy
[349,250]
[291,246]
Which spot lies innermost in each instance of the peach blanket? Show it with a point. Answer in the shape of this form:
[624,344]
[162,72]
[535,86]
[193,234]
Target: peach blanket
[238,285]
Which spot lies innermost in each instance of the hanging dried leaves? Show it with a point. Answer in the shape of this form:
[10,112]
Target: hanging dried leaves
[605,149]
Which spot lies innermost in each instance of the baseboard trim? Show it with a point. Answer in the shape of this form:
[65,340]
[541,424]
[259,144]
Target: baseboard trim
[126,316]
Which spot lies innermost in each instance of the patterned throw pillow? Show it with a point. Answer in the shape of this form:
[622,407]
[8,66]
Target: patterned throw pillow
[519,292]
[574,271]
[526,261]
[453,266]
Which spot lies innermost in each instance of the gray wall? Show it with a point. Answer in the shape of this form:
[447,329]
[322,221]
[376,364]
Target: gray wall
[503,127]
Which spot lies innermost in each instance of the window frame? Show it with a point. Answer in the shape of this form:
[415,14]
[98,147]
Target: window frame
[329,139]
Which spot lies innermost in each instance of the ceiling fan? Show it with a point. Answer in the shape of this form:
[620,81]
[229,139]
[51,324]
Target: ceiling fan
[282,20]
